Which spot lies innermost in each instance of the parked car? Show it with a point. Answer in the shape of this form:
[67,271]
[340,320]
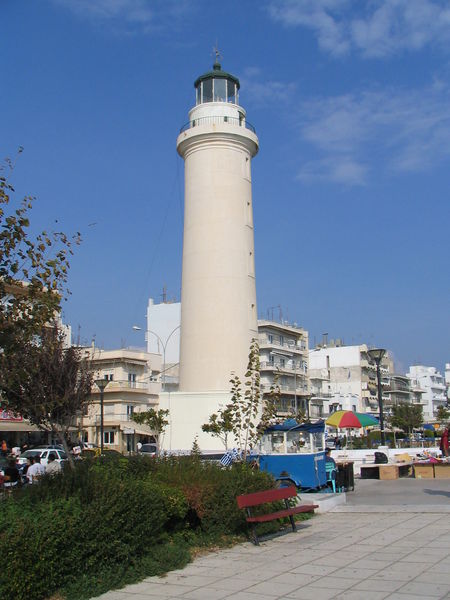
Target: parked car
[148,450]
[43,453]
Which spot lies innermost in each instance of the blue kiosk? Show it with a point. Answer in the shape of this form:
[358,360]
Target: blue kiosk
[294,453]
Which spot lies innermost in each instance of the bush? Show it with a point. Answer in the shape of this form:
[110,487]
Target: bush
[110,522]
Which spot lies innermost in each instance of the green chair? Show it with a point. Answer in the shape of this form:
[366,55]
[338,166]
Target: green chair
[331,472]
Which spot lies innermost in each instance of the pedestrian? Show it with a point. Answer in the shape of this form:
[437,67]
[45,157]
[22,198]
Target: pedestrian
[53,467]
[12,475]
[36,470]
[329,458]
[337,443]
[444,442]
[25,468]
[4,448]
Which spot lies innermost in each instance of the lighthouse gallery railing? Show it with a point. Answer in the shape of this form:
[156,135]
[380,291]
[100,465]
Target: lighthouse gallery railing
[214,119]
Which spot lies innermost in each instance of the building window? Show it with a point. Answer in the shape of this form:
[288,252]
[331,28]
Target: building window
[281,340]
[108,437]
[130,410]
[132,379]
[271,359]
[282,362]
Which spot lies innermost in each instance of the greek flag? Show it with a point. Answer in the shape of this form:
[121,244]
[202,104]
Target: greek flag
[229,457]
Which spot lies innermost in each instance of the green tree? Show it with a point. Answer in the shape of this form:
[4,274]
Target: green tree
[249,413]
[47,383]
[407,416]
[33,268]
[442,414]
[220,425]
[156,420]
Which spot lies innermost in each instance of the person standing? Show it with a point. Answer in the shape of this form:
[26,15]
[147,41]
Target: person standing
[53,466]
[4,448]
[444,442]
[36,470]
[12,475]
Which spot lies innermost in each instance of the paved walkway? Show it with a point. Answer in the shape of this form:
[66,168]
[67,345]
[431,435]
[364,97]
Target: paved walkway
[387,542]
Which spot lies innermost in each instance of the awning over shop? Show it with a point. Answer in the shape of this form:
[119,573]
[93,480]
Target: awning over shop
[292,425]
[19,426]
[137,429]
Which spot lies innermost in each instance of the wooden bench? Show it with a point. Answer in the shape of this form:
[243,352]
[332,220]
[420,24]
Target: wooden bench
[248,501]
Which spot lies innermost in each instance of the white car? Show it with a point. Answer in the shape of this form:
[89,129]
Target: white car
[148,450]
[43,453]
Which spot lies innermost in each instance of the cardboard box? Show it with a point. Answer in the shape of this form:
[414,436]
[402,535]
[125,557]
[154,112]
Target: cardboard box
[442,471]
[424,471]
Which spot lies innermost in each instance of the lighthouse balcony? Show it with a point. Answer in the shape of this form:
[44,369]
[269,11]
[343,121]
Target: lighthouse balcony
[216,120]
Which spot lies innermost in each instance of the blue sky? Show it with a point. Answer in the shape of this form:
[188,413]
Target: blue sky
[350,100]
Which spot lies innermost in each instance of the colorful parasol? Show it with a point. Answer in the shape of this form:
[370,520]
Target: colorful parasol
[349,419]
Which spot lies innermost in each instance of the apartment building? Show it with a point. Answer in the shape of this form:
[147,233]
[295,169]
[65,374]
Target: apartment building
[402,389]
[447,380]
[433,384]
[284,359]
[133,386]
[345,378]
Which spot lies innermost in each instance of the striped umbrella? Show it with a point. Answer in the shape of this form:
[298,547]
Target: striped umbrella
[345,419]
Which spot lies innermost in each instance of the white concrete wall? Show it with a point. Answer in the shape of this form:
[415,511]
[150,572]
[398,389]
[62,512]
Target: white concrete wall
[342,356]
[163,320]
[187,413]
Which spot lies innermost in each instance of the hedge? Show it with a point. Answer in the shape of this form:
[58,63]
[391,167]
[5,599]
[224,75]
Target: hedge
[109,523]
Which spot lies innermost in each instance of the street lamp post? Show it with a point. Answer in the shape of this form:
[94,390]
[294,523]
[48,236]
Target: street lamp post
[377,354]
[164,346]
[101,384]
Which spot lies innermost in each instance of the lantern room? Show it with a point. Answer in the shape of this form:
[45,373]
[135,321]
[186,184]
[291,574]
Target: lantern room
[217,86]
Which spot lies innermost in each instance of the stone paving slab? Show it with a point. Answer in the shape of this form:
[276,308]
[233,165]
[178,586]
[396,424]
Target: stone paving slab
[376,553]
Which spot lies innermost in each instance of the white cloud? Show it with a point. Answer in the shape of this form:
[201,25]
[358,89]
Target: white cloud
[376,28]
[128,15]
[355,136]
[261,92]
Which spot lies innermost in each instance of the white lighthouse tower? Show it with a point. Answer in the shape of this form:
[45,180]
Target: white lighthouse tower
[218,297]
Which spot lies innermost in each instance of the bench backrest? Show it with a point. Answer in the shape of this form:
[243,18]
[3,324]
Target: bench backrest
[267,496]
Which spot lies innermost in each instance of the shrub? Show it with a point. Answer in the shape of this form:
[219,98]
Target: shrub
[110,522]
[46,543]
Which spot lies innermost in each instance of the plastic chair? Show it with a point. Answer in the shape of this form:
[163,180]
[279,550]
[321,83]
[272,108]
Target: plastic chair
[331,472]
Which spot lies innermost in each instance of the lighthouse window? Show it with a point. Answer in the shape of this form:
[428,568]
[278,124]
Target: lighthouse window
[207,90]
[220,90]
[231,92]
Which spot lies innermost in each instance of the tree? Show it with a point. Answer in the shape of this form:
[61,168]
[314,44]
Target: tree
[442,414]
[47,383]
[248,414]
[154,419]
[407,416]
[220,425]
[33,268]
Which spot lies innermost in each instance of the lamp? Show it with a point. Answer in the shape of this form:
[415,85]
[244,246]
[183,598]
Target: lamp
[376,354]
[164,347]
[101,384]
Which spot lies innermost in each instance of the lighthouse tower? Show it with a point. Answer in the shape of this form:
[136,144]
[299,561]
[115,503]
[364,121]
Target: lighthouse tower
[218,297]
